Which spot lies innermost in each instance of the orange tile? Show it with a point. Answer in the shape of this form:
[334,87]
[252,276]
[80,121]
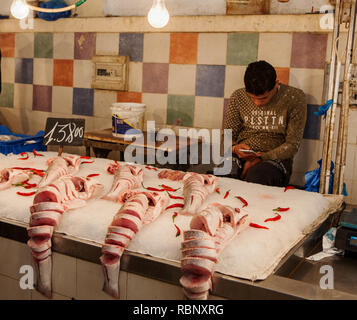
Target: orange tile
[282,75]
[7,44]
[183,48]
[63,73]
[129,97]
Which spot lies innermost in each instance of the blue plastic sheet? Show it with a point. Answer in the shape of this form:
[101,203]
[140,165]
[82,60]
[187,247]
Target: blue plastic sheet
[323,109]
[312,178]
[53,4]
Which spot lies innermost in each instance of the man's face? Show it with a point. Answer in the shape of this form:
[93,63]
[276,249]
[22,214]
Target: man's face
[264,98]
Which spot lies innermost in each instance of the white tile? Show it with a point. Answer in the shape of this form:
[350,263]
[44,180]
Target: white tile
[103,100]
[63,45]
[156,47]
[62,100]
[307,156]
[205,107]
[10,290]
[156,107]
[8,70]
[43,71]
[100,123]
[310,81]
[90,280]
[350,161]
[64,274]
[352,127]
[182,79]
[82,73]
[212,48]
[353,192]
[24,45]
[142,288]
[234,79]
[16,254]
[107,44]
[23,95]
[135,76]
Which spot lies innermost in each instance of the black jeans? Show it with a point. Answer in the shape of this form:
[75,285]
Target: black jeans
[268,172]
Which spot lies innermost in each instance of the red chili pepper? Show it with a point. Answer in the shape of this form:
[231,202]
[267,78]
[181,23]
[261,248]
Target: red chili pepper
[22,154]
[37,154]
[154,189]
[84,157]
[218,191]
[245,203]
[281,209]
[87,162]
[227,194]
[174,216]
[176,205]
[278,217]
[288,188]
[175,197]
[153,168]
[31,185]
[257,226]
[116,162]
[93,175]
[26,194]
[178,231]
[168,188]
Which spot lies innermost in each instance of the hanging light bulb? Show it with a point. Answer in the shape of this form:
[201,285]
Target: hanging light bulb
[19,9]
[158,15]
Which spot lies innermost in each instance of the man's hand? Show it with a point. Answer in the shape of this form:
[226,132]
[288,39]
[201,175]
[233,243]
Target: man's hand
[245,155]
[248,164]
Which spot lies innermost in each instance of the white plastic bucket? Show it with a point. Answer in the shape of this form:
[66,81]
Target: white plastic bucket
[127,116]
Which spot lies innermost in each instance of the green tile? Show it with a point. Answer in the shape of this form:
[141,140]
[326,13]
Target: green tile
[180,107]
[7,95]
[242,48]
[44,45]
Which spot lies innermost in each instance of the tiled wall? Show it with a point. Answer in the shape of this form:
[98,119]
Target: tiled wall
[183,78]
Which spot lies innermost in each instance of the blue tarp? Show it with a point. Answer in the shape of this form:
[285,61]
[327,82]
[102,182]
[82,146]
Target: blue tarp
[53,4]
[312,178]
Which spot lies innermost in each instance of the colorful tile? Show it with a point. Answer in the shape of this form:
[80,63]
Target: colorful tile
[24,70]
[212,48]
[7,44]
[42,98]
[313,123]
[84,45]
[210,80]
[183,48]
[43,71]
[242,48]
[63,73]
[23,96]
[135,77]
[131,44]
[155,77]
[83,101]
[62,100]
[234,79]
[44,45]
[310,81]
[268,44]
[125,96]
[182,79]
[308,50]
[282,74]
[82,73]
[107,44]
[156,47]
[208,112]
[63,45]
[8,70]
[180,110]
[24,44]
[156,107]
[7,95]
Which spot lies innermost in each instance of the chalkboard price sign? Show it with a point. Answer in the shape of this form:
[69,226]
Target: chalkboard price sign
[64,131]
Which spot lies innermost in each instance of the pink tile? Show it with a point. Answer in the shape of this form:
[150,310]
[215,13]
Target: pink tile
[155,77]
[308,50]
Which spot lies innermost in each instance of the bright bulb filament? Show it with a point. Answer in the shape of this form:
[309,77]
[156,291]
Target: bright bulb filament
[158,15]
[19,9]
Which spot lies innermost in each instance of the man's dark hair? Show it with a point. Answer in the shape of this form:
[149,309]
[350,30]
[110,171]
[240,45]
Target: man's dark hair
[259,77]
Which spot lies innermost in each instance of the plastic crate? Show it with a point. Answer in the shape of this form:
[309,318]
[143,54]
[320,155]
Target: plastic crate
[23,144]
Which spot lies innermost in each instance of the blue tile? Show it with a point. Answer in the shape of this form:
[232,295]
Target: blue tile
[131,44]
[83,101]
[210,80]
[313,123]
[24,70]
